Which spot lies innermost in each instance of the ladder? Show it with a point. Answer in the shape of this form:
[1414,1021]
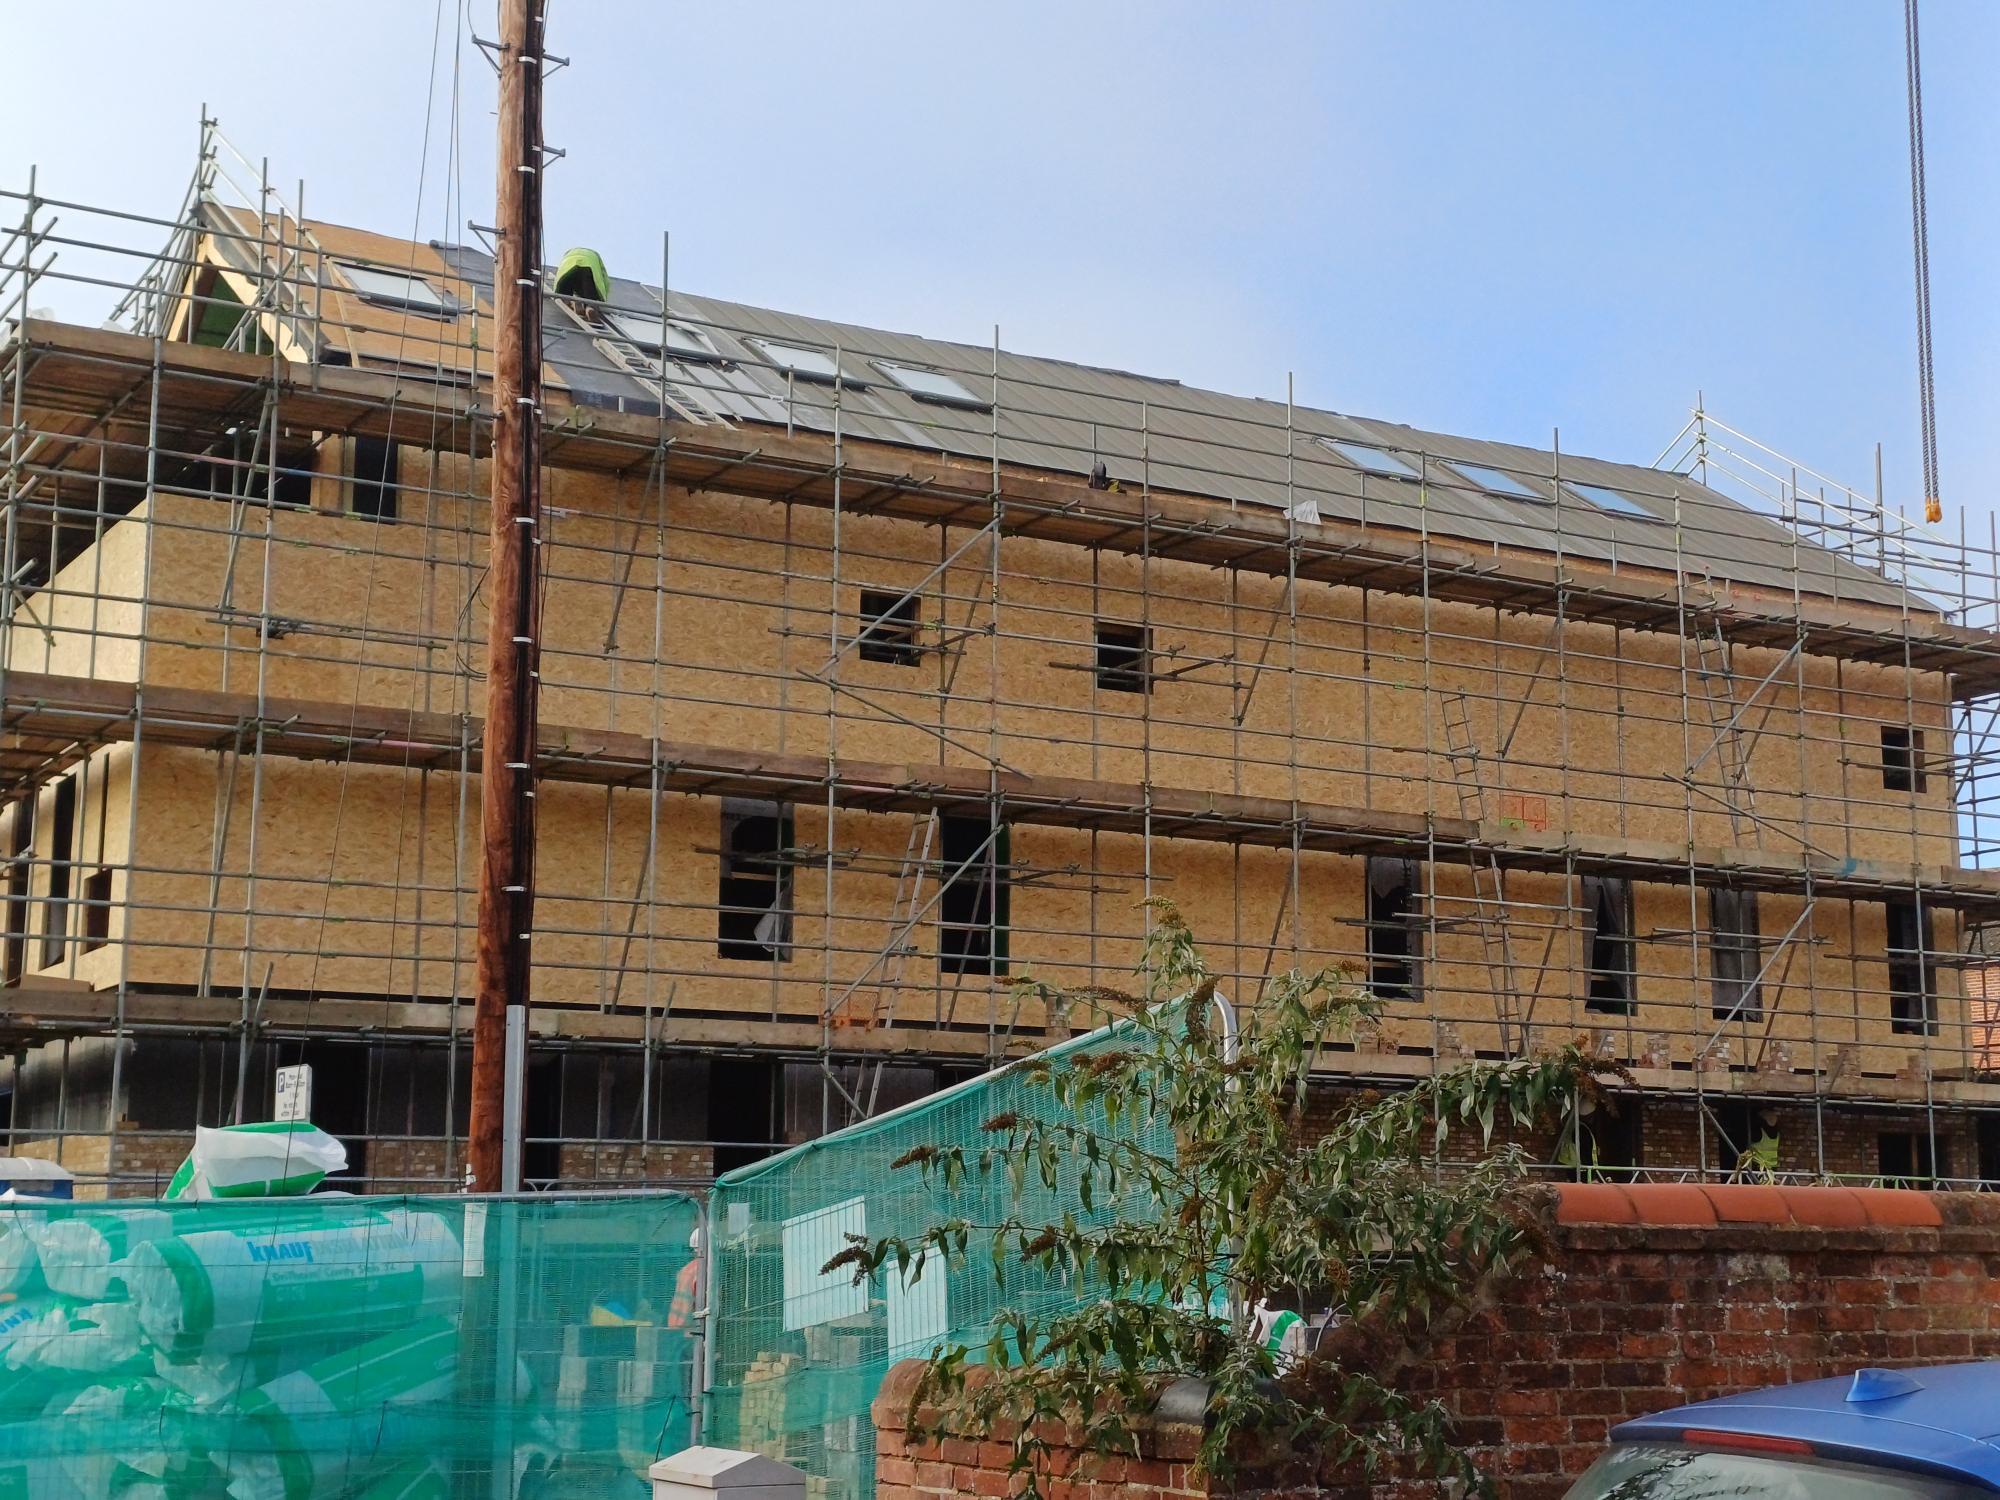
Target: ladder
[878,1009]
[1717,683]
[1489,890]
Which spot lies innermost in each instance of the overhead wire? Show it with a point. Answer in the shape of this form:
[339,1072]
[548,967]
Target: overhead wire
[374,550]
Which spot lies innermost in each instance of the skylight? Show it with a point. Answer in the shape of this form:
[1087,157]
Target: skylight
[653,335]
[795,359]
[1615,501]
[396,289]
[931,385]
[1499,482]
[1370,460]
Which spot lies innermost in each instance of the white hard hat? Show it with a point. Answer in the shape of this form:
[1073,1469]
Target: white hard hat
[694,1240]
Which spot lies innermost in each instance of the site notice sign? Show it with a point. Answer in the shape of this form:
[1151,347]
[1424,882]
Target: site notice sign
[295,1093]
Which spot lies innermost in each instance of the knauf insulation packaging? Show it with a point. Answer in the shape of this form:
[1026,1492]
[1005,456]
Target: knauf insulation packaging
[314,1347]
[303,1433]
[218,1291]
[279,1160]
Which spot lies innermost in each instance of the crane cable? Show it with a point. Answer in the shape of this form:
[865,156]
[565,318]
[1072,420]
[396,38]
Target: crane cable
[1921,246]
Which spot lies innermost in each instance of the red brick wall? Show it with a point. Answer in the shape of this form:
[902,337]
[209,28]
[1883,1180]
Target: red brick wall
[1653,1296]
[928,1471]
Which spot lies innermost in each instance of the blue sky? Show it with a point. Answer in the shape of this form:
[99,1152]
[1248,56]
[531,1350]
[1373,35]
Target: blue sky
[1492,219]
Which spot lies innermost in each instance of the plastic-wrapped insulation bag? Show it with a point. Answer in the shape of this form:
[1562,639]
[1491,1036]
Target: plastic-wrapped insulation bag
[19,1315]
[20,1263]
[281,1159]
[322,1429]
[412,1479]
[98,1339]
[225,1291]
[31,1475]
[25,1394]
[116,1425]
[77,1250]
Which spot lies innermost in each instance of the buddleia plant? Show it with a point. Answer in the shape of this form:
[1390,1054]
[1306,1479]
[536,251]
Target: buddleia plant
[1176,1178]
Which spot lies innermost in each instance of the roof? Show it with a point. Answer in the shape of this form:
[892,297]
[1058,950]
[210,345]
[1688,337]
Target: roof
[1068,418]
[1949,1423]
[1058,415]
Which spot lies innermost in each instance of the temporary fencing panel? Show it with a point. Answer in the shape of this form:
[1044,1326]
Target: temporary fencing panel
[799,1354]
[308,1348]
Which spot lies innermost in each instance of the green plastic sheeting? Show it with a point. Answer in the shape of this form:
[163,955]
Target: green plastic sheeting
[798,1356]
[362,1348]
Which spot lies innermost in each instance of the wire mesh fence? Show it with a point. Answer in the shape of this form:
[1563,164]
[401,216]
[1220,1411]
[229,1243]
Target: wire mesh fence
[800,1352]
[310,1348]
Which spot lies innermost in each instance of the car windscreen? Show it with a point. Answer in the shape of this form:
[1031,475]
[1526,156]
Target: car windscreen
[1646,1471]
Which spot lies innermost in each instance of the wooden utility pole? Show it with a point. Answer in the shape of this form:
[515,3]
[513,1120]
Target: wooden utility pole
[513,597]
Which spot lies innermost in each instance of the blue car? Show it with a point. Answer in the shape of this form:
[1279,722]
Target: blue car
[1875,1435]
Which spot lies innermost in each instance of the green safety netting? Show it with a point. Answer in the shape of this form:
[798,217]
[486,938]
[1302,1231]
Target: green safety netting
[799,1355]
[280,1349]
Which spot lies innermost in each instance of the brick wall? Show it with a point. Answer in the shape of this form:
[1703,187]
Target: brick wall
[1652,1296]
[914,1470]
[132,1164]
[629,1164]
[1843,1141]
[419,1164]
[145,1161]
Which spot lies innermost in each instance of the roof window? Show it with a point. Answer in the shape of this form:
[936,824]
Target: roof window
[1616,501]
[932,385]
[1500,482]
[1370,460]
[397,289]
[655,335]
[799,361]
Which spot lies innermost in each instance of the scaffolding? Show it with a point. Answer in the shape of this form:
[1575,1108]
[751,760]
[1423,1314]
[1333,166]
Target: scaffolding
[958,716]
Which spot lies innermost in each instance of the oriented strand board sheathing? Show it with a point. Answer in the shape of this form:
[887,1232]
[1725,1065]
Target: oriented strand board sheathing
[1337,695]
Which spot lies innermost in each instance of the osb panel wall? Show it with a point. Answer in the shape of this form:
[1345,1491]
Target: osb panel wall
[739,595]
[357,869]
[85,622]
[359,872]
[55,934]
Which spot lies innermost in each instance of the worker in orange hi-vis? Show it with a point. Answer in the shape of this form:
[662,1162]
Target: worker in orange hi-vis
[687,1286]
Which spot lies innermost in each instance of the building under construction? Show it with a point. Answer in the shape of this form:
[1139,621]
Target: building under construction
[880,672]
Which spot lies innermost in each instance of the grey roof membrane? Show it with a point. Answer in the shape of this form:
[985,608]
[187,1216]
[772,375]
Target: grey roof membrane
[1056,415]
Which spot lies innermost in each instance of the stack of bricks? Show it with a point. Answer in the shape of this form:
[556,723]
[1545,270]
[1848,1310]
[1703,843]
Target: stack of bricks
[1652,1296]
[766,1382]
